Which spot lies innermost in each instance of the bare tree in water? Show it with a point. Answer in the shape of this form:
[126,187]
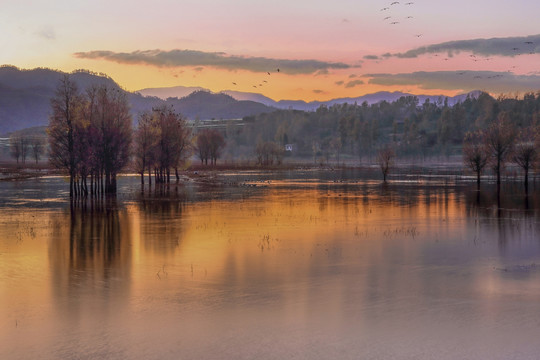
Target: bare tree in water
[499,142]
[89,135]
[525,151]
[65,104]
[475,156]
[162,143]
[385,159]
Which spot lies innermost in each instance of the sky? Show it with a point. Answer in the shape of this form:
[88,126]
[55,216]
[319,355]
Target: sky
[323,49]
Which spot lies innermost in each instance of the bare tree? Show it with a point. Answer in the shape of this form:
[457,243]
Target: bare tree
[267,152]
[217,143]
[89,135]
[146,136]
[169,142]
[114,125]
[336,145]
[65,106]
[385,158]
[525,152]
[499,142]
[15,147]
[37,147]
[203,146]
[475,156]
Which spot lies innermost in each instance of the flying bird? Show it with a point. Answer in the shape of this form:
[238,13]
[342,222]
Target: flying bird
[265,81]
[529,42]
[394,3]
[409,3]
[386,18]
[234,83]
[515,49]
[278,70]
[418,35]
[394,22]
[385,8]
[268,72]
[409,17]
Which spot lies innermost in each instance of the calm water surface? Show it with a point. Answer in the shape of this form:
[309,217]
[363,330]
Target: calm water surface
[306,265]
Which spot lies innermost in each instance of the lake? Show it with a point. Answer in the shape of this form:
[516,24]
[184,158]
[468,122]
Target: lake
[284,265]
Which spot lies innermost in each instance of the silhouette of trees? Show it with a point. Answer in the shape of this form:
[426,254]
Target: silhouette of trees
[499,140]
[475,156]
[37,147]
[146,137]
[209,144]
[19,147]
[385,159]
[525,152]
[163,143]
[112,133]
[89,135]
[268,152]
[65,104]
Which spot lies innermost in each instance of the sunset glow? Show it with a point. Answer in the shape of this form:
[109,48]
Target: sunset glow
[323,50]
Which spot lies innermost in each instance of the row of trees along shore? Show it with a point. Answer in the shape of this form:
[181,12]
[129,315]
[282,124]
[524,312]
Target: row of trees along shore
[502,142]
[91,137]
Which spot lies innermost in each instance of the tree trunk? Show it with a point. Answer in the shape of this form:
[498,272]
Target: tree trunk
[526,181]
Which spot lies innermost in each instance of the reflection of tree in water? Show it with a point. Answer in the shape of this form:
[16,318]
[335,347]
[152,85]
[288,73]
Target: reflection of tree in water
[90,251]
[508,218]
[511,201]
[161,218]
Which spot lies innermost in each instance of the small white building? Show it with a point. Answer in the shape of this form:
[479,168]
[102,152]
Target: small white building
[290,147]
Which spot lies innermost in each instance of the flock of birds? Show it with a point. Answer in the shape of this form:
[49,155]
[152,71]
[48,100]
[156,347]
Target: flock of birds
[528,47]
[263,82]
[394,21]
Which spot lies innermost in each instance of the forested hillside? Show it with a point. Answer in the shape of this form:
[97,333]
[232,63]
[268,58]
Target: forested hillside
[413,128]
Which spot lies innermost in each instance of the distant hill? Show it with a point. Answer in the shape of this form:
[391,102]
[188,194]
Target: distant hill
[206,105]
[25,99]
[170,92]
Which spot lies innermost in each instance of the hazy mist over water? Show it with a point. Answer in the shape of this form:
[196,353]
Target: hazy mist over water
[312,265]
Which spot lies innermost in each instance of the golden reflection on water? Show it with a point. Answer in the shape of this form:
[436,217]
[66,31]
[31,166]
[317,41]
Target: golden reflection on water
[304,268]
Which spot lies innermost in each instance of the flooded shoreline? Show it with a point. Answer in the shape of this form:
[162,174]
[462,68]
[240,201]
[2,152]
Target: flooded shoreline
[295,265]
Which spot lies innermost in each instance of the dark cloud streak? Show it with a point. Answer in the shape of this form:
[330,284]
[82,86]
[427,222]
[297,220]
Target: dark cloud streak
[491,81]
[354,83]
[180,58]
[510,46]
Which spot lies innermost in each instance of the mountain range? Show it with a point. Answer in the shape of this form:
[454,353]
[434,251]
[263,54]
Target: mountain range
[25,98]
[180,91]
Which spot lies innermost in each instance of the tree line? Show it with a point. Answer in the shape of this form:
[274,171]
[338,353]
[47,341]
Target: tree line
[358,131]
